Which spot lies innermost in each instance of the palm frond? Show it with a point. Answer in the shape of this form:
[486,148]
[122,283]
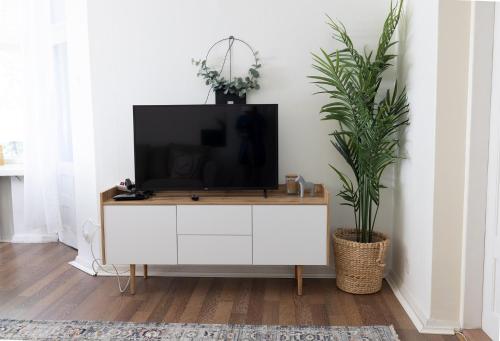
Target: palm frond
[367,137]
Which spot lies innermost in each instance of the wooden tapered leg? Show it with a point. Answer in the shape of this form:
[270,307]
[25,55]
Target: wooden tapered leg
[132,279]
[298,276]
[145,271]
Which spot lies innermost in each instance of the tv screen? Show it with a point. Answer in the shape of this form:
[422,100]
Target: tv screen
[195,147]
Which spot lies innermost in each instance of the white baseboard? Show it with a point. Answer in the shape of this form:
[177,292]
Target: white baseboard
[434,326]
[209,271]
[82,264]
[423,323]
[34,238]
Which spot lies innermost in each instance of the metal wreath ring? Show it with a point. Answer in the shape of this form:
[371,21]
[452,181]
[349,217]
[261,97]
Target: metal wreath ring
[231,40]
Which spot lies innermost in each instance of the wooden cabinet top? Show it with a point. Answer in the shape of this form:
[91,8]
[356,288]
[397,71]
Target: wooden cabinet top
[274,197]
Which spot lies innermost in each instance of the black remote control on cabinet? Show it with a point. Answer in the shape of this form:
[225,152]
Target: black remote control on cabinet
[131,196]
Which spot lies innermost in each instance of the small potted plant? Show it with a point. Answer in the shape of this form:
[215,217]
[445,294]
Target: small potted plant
[367,138]
[234,89]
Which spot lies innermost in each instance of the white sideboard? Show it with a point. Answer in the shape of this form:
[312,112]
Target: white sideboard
[221,228]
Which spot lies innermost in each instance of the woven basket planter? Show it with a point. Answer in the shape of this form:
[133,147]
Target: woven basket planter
[359,266]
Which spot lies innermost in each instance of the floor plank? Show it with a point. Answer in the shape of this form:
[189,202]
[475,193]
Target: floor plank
[36,282]
[476,335]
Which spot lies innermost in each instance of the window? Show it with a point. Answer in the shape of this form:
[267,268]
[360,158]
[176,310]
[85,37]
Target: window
[14,80]
[12,105]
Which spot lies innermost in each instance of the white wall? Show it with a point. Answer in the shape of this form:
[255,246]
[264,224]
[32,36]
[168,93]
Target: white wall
[481,68]
[140,53]
[451,141]
[491,284]
[82,120]
[414,192]
[431,195]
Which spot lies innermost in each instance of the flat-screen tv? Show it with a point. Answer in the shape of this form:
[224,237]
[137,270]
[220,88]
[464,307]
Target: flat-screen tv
[206,147]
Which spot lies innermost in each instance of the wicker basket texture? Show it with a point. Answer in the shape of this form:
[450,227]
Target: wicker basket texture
[359,267]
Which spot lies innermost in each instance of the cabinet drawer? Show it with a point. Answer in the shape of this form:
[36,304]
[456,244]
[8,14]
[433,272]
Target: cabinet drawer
[140,234]
[214,219]
[215,249]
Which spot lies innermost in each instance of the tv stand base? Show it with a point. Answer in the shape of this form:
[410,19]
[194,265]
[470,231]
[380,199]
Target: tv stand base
[221,228]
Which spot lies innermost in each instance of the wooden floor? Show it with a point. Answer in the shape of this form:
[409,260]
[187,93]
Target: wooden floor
[37,283]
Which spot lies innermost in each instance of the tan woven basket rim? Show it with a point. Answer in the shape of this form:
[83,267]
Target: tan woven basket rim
[337,236]
[359,266]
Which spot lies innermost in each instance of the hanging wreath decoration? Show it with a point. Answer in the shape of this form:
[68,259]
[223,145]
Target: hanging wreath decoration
[239,86]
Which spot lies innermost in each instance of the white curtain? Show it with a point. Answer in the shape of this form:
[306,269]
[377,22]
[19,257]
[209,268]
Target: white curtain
[42,209]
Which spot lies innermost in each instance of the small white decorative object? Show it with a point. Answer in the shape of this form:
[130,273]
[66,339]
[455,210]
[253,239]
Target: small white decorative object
[305,186]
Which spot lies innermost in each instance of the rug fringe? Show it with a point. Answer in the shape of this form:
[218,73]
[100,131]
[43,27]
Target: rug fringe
[394,334]
[66,329]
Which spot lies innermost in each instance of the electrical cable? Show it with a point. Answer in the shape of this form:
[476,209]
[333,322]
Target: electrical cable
[460,334]
[97,262]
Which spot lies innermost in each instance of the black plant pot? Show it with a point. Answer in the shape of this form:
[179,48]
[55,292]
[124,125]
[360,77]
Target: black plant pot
[222,98]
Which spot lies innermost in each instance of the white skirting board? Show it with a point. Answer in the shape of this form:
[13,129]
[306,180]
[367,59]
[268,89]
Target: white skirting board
[34,238]
[424,324]
[246,271]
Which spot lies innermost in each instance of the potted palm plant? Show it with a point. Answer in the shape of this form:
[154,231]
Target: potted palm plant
[367,138]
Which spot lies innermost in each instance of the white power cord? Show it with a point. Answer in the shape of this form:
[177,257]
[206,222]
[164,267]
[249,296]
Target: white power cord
[97,262]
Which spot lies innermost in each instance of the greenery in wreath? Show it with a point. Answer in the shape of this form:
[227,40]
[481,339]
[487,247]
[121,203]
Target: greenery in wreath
[237,85]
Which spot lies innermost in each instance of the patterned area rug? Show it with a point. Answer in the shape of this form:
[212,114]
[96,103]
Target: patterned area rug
[96,330]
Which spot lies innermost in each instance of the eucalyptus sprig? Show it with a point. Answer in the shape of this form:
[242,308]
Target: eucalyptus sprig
[237,85]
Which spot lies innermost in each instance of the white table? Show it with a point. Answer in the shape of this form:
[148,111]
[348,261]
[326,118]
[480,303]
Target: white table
[11,199]
[14,169]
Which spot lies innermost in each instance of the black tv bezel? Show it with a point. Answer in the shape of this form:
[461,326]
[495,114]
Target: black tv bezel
[191,189]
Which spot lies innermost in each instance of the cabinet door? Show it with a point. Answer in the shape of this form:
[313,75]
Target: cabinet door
[290,235]
[140,234]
